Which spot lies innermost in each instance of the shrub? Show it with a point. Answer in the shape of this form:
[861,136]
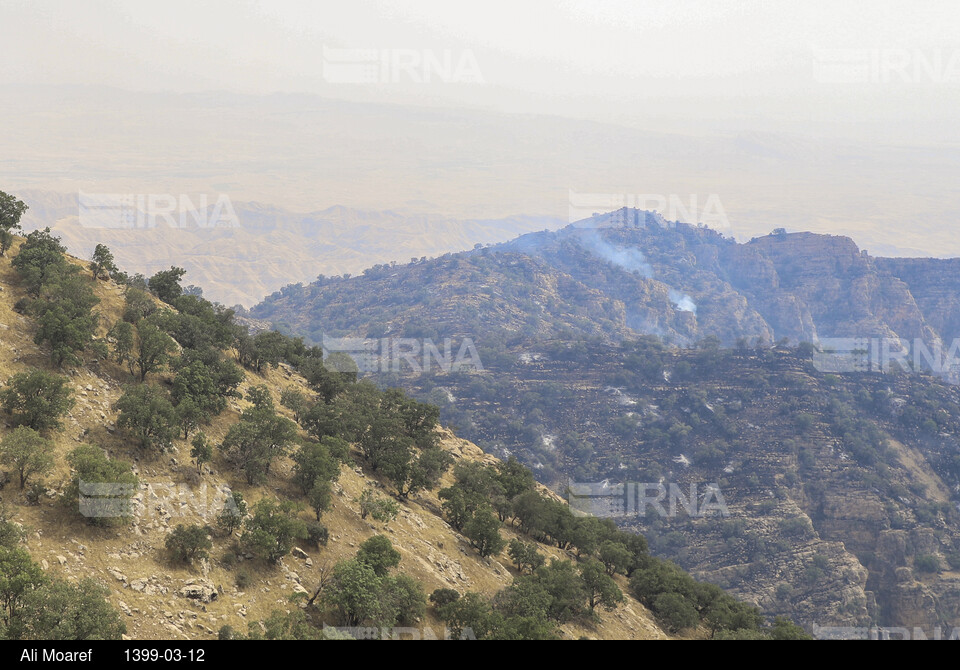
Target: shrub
[187,543]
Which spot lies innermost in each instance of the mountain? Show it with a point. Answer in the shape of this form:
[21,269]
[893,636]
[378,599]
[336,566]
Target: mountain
[632,273]
[260,248]
[233,586]
[626,348]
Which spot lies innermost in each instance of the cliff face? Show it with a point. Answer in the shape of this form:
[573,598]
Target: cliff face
[935,285]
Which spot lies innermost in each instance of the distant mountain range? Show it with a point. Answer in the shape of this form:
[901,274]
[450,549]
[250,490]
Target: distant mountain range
[268,247]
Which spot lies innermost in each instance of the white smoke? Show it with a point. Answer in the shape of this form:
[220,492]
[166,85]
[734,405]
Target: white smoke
[682,301]
[628,258]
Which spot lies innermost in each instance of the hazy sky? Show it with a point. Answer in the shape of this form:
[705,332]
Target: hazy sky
[694,66]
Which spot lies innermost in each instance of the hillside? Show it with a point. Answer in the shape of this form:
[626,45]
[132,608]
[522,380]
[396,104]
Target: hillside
[160,599]
[842,488]
[630,273]
[855,471]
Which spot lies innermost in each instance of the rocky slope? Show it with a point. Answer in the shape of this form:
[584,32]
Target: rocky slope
[165,601]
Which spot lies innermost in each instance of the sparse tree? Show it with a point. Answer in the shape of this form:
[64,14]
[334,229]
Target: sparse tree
[201,450]
[153,350]
[28,452]
[37,399]
[379,554]
[320,496]
[273,530]
[103,262]
[379,507]
[122,335]
[188,543]
[233,513]
[166,284]
[294,400]
[483,531]
[11,210]
[147,414]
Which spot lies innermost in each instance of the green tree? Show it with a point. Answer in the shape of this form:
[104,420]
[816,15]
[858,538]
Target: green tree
[525,556]
[355,593]
[60,610]
[189,416]
[153,349]
[11,210]
[103,262]
[320,496]
[379,507]
[188,543]
[294,400]
[441,597]
[138,305]
[41,257]
[379,554]
[100,506]
[268,349]
[483,531]
[585,535]
[562,582]
[273,530]
[258,438]
[675,612]
[784,629]
[455,507]
[405,599]
[318,461]
[11,535]
[28,452]
[147,414]
[19,576]
[65,318]
[201,450]
[232,515]
[615,556]
[6,241]
[122,334]
[601,589]
[281,626]
[166,284]
[411,470]
[37,399]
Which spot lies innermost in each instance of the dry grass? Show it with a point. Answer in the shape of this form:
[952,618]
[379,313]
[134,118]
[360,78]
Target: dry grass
[432,551]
